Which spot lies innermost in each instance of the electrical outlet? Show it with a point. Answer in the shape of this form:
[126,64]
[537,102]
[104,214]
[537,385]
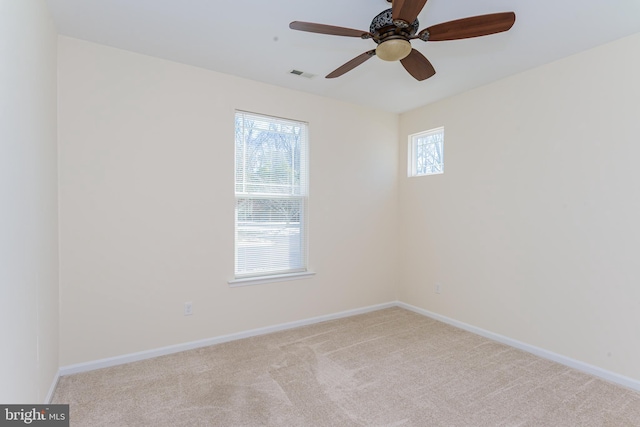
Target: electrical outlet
[438,288]
[188,308]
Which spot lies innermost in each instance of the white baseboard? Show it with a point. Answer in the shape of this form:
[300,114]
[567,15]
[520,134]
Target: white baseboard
[545,354]
[52,389]
[134,357]
[142,355]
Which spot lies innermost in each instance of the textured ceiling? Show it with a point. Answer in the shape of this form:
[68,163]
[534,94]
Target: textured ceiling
[252,39]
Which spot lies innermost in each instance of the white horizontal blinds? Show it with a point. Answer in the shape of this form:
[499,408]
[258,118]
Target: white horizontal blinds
[271,195]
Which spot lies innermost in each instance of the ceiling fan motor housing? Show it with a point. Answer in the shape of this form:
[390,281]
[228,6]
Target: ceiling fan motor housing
[392,37]
[383,27]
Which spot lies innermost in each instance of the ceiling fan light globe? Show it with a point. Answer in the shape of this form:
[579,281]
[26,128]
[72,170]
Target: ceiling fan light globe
[393,50]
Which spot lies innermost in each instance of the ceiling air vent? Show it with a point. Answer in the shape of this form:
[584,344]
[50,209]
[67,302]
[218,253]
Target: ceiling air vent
[302,74]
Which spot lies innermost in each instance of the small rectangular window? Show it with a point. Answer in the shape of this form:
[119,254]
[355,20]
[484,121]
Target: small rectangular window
[426,153]
[271,188]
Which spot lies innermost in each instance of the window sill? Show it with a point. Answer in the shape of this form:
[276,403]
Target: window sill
[248,281]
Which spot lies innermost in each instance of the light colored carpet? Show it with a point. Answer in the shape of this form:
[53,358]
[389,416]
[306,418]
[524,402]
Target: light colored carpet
[387,368]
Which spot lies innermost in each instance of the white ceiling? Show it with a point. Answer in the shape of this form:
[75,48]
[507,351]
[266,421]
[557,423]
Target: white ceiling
[252,39]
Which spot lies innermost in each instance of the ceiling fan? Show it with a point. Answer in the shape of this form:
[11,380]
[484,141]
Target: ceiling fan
[393,29]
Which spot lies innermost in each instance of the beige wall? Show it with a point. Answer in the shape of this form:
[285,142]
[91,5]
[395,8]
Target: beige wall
[28,202]
[533,229]
[147,204]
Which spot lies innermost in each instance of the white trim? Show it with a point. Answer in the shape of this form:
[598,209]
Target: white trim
[148,354]
[545,354]
[52,389]
[248,281]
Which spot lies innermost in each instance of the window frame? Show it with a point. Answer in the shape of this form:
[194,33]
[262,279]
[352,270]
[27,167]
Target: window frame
[299,192]
[412,163]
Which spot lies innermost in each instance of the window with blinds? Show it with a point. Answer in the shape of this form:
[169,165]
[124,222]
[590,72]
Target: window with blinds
[271,188]
[426,153]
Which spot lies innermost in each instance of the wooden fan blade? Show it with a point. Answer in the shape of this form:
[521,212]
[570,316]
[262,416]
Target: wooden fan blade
[418,66]
[475,26]
[328,29]
[351,64]
[407,10]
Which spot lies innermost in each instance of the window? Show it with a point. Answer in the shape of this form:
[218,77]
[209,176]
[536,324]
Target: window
[426,153]
[271,187]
